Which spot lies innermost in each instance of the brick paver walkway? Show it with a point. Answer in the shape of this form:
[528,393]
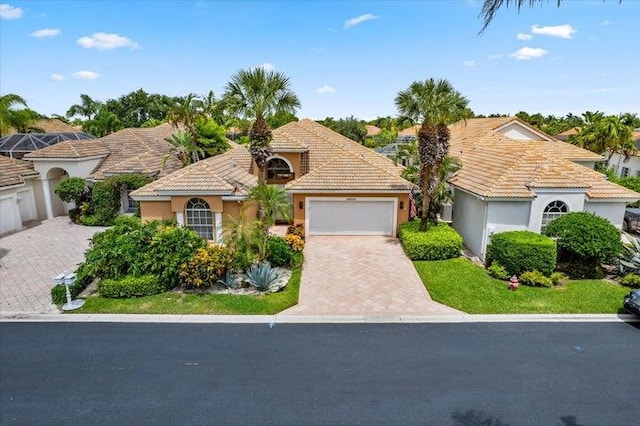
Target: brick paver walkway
[361,276]
[34,257]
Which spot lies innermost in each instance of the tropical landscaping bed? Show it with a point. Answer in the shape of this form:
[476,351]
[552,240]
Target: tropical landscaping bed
[461,284]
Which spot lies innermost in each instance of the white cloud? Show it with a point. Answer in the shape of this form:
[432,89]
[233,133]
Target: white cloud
[47,32]
[495,56]
[104,41]
[10,12]
[56,77]
[526,53]
[325,89]
[523,36]
[606,22]
[267,66]
[86,75]
[468,64]
[359,20]
[562,31]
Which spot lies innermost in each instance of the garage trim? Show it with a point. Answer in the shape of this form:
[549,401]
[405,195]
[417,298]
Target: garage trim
[309,200]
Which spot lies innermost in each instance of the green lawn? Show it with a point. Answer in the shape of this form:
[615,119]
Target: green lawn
[462,285]
[178,303]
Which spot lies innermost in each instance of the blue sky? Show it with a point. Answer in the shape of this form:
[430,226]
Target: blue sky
[343,57]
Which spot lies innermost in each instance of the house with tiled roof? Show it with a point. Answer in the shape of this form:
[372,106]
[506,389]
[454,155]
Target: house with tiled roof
[514,177]
[627,164]
[336,186]
[133,150]
[19,194]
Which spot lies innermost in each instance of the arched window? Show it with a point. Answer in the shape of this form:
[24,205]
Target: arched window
[554,210]
[278,168]
[199,217]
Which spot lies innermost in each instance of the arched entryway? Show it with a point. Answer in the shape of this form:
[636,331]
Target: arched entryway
[57,207]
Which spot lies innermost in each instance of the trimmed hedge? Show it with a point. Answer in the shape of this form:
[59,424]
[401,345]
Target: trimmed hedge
[522,251]
[439,242]
[130,286]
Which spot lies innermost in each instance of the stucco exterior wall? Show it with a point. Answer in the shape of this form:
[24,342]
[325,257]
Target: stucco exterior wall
[617,161]
[178,202]
[573,200]
[156,210]
[507,216]
[469,219]
[235,208]
[614,212]
[299,213]
[81,168]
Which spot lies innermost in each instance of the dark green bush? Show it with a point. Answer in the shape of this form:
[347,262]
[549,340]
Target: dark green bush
[279,253]
[496,270]
[130,286]
[59,292]
[439,242]
[630,280]
[70,189]
[520,251]
[587,239]
[535,279]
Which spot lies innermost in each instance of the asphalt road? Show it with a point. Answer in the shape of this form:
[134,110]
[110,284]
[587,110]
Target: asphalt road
[498,374]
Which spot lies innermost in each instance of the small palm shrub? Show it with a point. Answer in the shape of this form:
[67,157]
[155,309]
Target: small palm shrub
[535,279]
[630,280]
[279,253]
[261,275]
[295,242]
[496,270]
[438,242]
[205,268]
[520,251]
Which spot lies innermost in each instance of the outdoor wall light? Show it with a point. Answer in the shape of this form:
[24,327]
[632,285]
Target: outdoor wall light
[301,205]
[401,205]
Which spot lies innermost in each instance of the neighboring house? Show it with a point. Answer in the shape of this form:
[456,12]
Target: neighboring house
[627,165]
[392,150]
[17,145]
[337,186]
[19,194]
[564,136]
[514,177]
[372,130]
[134,150]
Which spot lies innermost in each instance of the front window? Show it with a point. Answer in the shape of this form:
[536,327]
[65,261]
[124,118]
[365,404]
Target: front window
[199,218]
[132,204]
[553,211]
[625,172]
[277,168]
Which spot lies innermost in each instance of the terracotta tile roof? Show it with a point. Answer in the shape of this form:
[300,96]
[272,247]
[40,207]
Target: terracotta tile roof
[228,173]
[510,169]
[53,125]
[409,131]
[372,130]
[13,172]
[71,149]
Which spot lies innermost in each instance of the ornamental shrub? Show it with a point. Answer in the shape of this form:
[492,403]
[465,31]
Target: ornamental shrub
[130,286]
[205,268]
[558,278]
[294,241]
[296,230]
[70,189]
[520,251]
[535,279]
[630,280]
[496,270]
[279,253]
[584,239]
[439,242]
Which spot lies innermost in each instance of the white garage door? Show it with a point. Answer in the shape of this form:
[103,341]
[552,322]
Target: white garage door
[351,216]
[9,215]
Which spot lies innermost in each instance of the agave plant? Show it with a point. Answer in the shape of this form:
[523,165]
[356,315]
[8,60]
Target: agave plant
[230,280]
[261,275]
[629,259]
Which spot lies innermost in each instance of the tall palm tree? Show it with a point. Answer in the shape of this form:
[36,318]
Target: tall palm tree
[87,107]
[436,104]
[187,111]
[103,123]
[8,103]
[25,121]
[257,94]
[184,148]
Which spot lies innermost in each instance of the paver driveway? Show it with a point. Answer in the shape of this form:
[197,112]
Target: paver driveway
[34,257]
[358,275]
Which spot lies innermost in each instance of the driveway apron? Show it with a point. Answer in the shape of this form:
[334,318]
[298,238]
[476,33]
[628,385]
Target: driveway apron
[33,257]
[361,275]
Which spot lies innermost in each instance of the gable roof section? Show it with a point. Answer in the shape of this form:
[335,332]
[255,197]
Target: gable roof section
[13,172]
[72,149]
[226,174]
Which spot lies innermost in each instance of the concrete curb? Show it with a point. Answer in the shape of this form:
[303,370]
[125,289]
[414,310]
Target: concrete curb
[313,319]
